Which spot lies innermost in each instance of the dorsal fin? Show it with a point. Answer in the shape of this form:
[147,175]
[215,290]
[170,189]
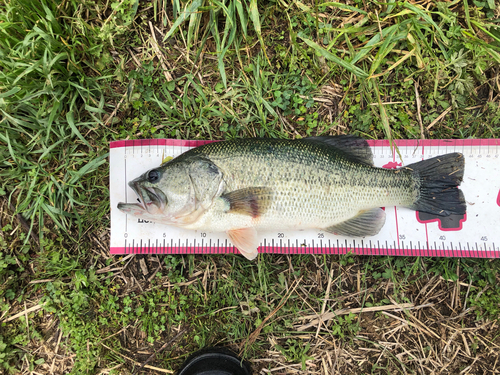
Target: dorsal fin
[356,148]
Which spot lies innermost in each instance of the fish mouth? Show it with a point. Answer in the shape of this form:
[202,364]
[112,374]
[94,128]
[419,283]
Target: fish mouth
[151,200]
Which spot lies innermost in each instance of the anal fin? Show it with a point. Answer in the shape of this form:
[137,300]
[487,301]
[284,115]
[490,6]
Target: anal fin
[245,239]
[365,223]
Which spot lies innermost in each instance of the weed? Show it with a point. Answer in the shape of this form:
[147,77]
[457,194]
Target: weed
[486,301]
[295,351]
[7,353]
[45,109]
[235,15]
[345,326]
[65,67]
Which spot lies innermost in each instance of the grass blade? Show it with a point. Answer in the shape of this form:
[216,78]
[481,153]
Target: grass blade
[192,36]
[428,18]
[467,14]
[231,29]
[358,72]
[483,29]
[243,16]
[373,42]
[71,122]
[343,6]
[391,4]
[193,8]
[10,92]
[9,146]
[87,168]
[255,17]
[52,116]
[225,10]
[383,114]
[386,48]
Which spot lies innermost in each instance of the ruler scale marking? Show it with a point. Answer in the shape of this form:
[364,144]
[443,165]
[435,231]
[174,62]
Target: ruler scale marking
[130,158]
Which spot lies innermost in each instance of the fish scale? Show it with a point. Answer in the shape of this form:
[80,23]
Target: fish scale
[314,186]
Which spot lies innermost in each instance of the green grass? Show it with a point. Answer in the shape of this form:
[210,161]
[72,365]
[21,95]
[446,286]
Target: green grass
[75,75]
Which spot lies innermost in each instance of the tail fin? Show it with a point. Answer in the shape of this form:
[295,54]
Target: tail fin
[438,179]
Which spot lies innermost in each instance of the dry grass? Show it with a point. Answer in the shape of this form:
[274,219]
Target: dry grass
[435,333]
[67,305]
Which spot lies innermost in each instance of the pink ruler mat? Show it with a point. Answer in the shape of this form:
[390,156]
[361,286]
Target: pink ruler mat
[405,232]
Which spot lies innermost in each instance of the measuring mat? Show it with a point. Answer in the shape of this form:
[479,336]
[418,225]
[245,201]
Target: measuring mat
[406,232]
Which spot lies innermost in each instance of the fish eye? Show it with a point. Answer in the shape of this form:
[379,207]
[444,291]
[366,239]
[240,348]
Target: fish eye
[153,176]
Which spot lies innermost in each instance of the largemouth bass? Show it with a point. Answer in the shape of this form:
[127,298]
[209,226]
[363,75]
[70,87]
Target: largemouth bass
[248,185]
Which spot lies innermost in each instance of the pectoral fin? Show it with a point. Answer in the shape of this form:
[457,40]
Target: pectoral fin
[245,239]
[252,201]
[365,223]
